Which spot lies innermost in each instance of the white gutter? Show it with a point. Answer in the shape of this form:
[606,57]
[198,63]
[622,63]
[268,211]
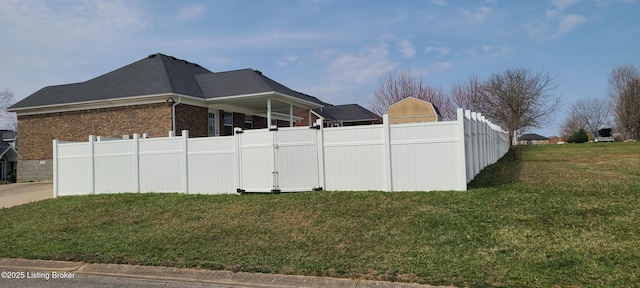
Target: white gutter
[173,114]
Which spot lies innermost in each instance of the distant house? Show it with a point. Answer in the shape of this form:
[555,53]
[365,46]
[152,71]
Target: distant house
[411,109]
[532,139]
[152,96]
[556,140]
[8,154]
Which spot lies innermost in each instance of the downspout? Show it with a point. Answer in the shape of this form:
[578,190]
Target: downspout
[173,115]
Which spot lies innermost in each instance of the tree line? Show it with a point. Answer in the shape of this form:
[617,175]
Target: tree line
[519,99]
[516,99]
[619,109]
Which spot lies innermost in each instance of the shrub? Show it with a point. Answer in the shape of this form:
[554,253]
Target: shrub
[579,136]
[12,178]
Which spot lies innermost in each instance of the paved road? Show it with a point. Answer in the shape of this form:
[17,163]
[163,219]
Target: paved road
[22,193]
[84,280]
[90,281]
[33,273]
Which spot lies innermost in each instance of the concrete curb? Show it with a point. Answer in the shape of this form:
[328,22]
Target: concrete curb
[195,275]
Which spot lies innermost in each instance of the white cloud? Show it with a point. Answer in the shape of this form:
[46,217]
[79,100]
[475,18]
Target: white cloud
[70,24]
[46,37]
[559,6]
[406,49]
[440,66]
[365,65]
[557,15]
[439,2]
[568,23]
[192,12]
[479,15]
[290,59]
[441,50]
[495,51]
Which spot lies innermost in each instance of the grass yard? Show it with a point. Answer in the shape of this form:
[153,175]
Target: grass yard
[558,215]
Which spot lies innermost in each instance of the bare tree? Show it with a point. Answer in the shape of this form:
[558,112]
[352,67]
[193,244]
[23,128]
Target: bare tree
[593,112]
[7,120]
[572,124]
[397,86]
[624,92]
[468,95]
[520,98]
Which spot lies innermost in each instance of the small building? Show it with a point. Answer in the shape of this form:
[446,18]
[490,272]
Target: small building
[556,140]
[412,109]
[532,139]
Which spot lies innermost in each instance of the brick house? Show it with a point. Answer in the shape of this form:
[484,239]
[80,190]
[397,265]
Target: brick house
[154,95]
[532,139]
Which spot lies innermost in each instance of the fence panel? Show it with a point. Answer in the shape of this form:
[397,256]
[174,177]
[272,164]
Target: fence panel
[354,158]
[115,166]
[74,167]
[160,165]
[424,156]
[212,165]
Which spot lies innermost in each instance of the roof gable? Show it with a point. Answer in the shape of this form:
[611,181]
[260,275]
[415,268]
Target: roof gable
[245,82]
[156,74]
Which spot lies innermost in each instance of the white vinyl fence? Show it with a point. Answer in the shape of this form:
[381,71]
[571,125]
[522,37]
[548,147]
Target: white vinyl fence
[399,157]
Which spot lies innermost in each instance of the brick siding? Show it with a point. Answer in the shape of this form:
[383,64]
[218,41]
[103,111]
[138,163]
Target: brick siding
[36,132]
[192,118]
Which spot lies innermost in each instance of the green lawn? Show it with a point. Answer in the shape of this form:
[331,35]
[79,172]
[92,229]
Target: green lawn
[558,215]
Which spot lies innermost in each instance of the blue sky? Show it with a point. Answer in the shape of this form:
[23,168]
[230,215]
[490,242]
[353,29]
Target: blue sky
[335,50]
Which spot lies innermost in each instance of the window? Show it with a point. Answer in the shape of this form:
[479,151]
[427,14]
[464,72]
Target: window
[228,123]
[248,121]
[213,128]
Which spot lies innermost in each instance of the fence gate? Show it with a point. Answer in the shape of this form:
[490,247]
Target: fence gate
[284,159]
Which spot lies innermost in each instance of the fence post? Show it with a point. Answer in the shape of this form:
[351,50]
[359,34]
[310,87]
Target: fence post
[92,164]
[56,182]
[462,154]
[320,154]
[388,169]
[474,141]
[468,146]
[185,162]
[483,142]
[136,161]
[238,161]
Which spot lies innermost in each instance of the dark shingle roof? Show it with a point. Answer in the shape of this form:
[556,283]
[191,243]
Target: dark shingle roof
[161,74]
[8,135]
[156,74]
[244,82]
[348,112]
[532,137]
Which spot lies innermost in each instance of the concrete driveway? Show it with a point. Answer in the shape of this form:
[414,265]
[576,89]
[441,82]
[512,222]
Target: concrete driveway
[22,193]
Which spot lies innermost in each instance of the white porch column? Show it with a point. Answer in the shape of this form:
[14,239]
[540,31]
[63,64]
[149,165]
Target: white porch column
[290,115]
[310,122]
[268,113]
